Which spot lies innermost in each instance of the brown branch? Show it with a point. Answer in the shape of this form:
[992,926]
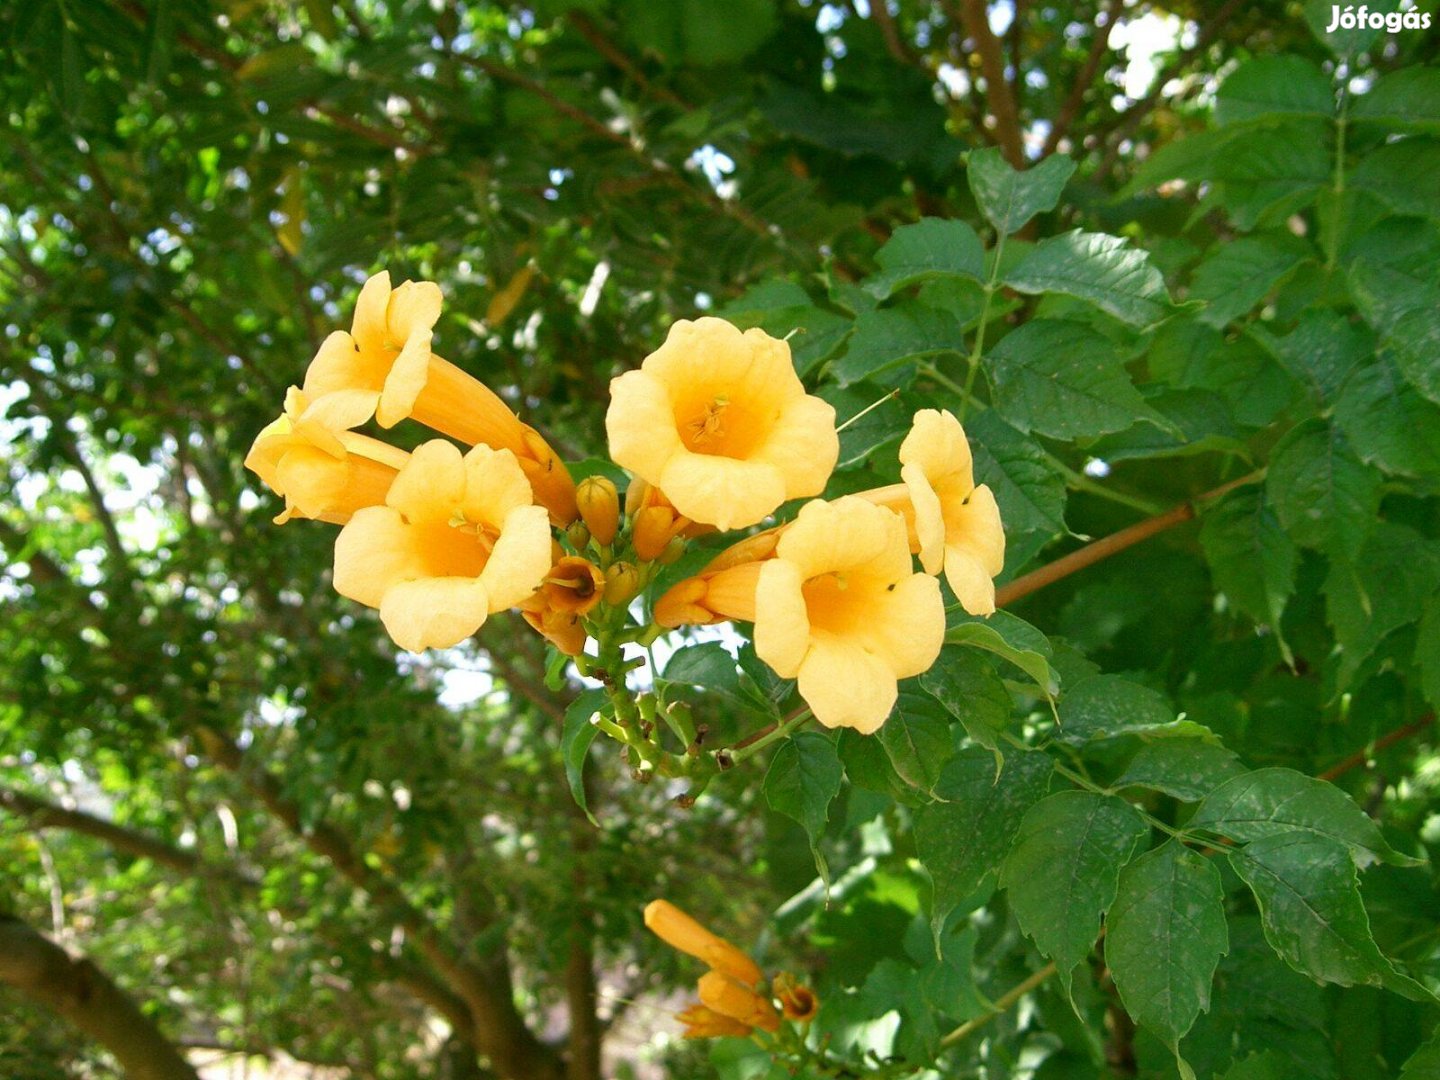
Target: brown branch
[80,993]
[41,814]
[602,44]
[1390,738]
[1070,109]
[895,45]
[974,17]
[1112,544]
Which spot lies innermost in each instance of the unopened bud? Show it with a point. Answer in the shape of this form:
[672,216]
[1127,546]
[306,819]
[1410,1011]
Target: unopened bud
[654,527]
[673,550]
[599,505]
[578,535]
[622,584]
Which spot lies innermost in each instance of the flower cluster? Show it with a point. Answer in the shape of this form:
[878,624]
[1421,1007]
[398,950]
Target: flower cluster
[733,1000]
[715,431]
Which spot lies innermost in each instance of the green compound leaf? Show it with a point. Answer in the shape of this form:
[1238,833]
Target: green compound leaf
[887,338]
[969,688]
[1188,769]
[1310,908]
[1009,637]
[1064,868]
[576,735]
[1009,199]
[803,780]
[1063,379]
[1252,559]
[930,248]
[1099,269]
[917,739]
[1388,422]
[1409,98]
[1103,706]
[963,839]
[1274,86]
[1243,272]
[1281,802]
[1165,935]
[1323,494]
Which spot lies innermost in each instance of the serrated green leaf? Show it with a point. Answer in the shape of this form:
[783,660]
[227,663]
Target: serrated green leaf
[1251,557]
[1030,493]
[1062,379]
[1321,351]
[1268,86]
[1406,98]
[1165,935]
[802,781]
[962,839]
[785,310]
[1064,867]
[1414,341]
[1343,40]
[1311,910]
[708,666]
[1099,269]
[1276,802]
[868,766]
[1389,424]
[1188,769]
[1010,637]
[1324,496]
[1388,173]
[575,738]
[1383,590]
[917,739]
[1009,199]
[966,684]
[1241,273]
[886,338]
[930,248]
[1103,706]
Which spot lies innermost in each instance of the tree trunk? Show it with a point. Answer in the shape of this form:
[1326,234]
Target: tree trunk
[78,991]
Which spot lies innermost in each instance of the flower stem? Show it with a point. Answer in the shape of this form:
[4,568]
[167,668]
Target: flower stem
[776,732]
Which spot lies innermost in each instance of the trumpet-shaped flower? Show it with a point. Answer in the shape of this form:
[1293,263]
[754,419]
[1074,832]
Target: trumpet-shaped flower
[957,525]
[322,469]
[681,932]
[457,539]
[840,609]
[387,355]
[723,994]
[719,420]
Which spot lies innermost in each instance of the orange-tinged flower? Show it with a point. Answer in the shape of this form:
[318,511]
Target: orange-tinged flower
[840,609]
[322,469]
[797,1001]
[681,932]
[457,539]
[574,586]
[957,525]
[719,420]
[711,597]
[728,996]
[387,355]
[705,1023]
[563,629]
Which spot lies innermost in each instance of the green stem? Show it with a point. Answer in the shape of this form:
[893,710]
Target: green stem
[930,371]
[992,286]
[774,735]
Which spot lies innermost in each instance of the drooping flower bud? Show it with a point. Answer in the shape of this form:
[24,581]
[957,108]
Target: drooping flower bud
[599,505]
[727,996]
[681,932]
[705,1023]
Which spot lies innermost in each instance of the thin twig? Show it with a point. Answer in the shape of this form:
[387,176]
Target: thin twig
[1099,46]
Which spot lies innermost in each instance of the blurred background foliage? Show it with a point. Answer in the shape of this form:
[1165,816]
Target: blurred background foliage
[219,782]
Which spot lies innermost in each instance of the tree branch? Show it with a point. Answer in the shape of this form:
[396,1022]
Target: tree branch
[975,19]
[80,993]
[1099,46]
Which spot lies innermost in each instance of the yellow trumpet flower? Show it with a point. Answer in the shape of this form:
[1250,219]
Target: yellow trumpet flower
[719,420]
[457,539]
[681,932]
[387,355]
[322,469]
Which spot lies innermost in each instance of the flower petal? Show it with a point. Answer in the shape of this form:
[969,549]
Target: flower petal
[640,425]
[929,519]
[722,491]
[906,626]
[938,445]
[803,444]
[976,527]
[845,685]
[371,310]
[405,381]
[829,536]
[520,559]
[970,582]
[782,623]
[374,551]
[434,613]
[494,485]
[431,486]
[337,366]
[414,308]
